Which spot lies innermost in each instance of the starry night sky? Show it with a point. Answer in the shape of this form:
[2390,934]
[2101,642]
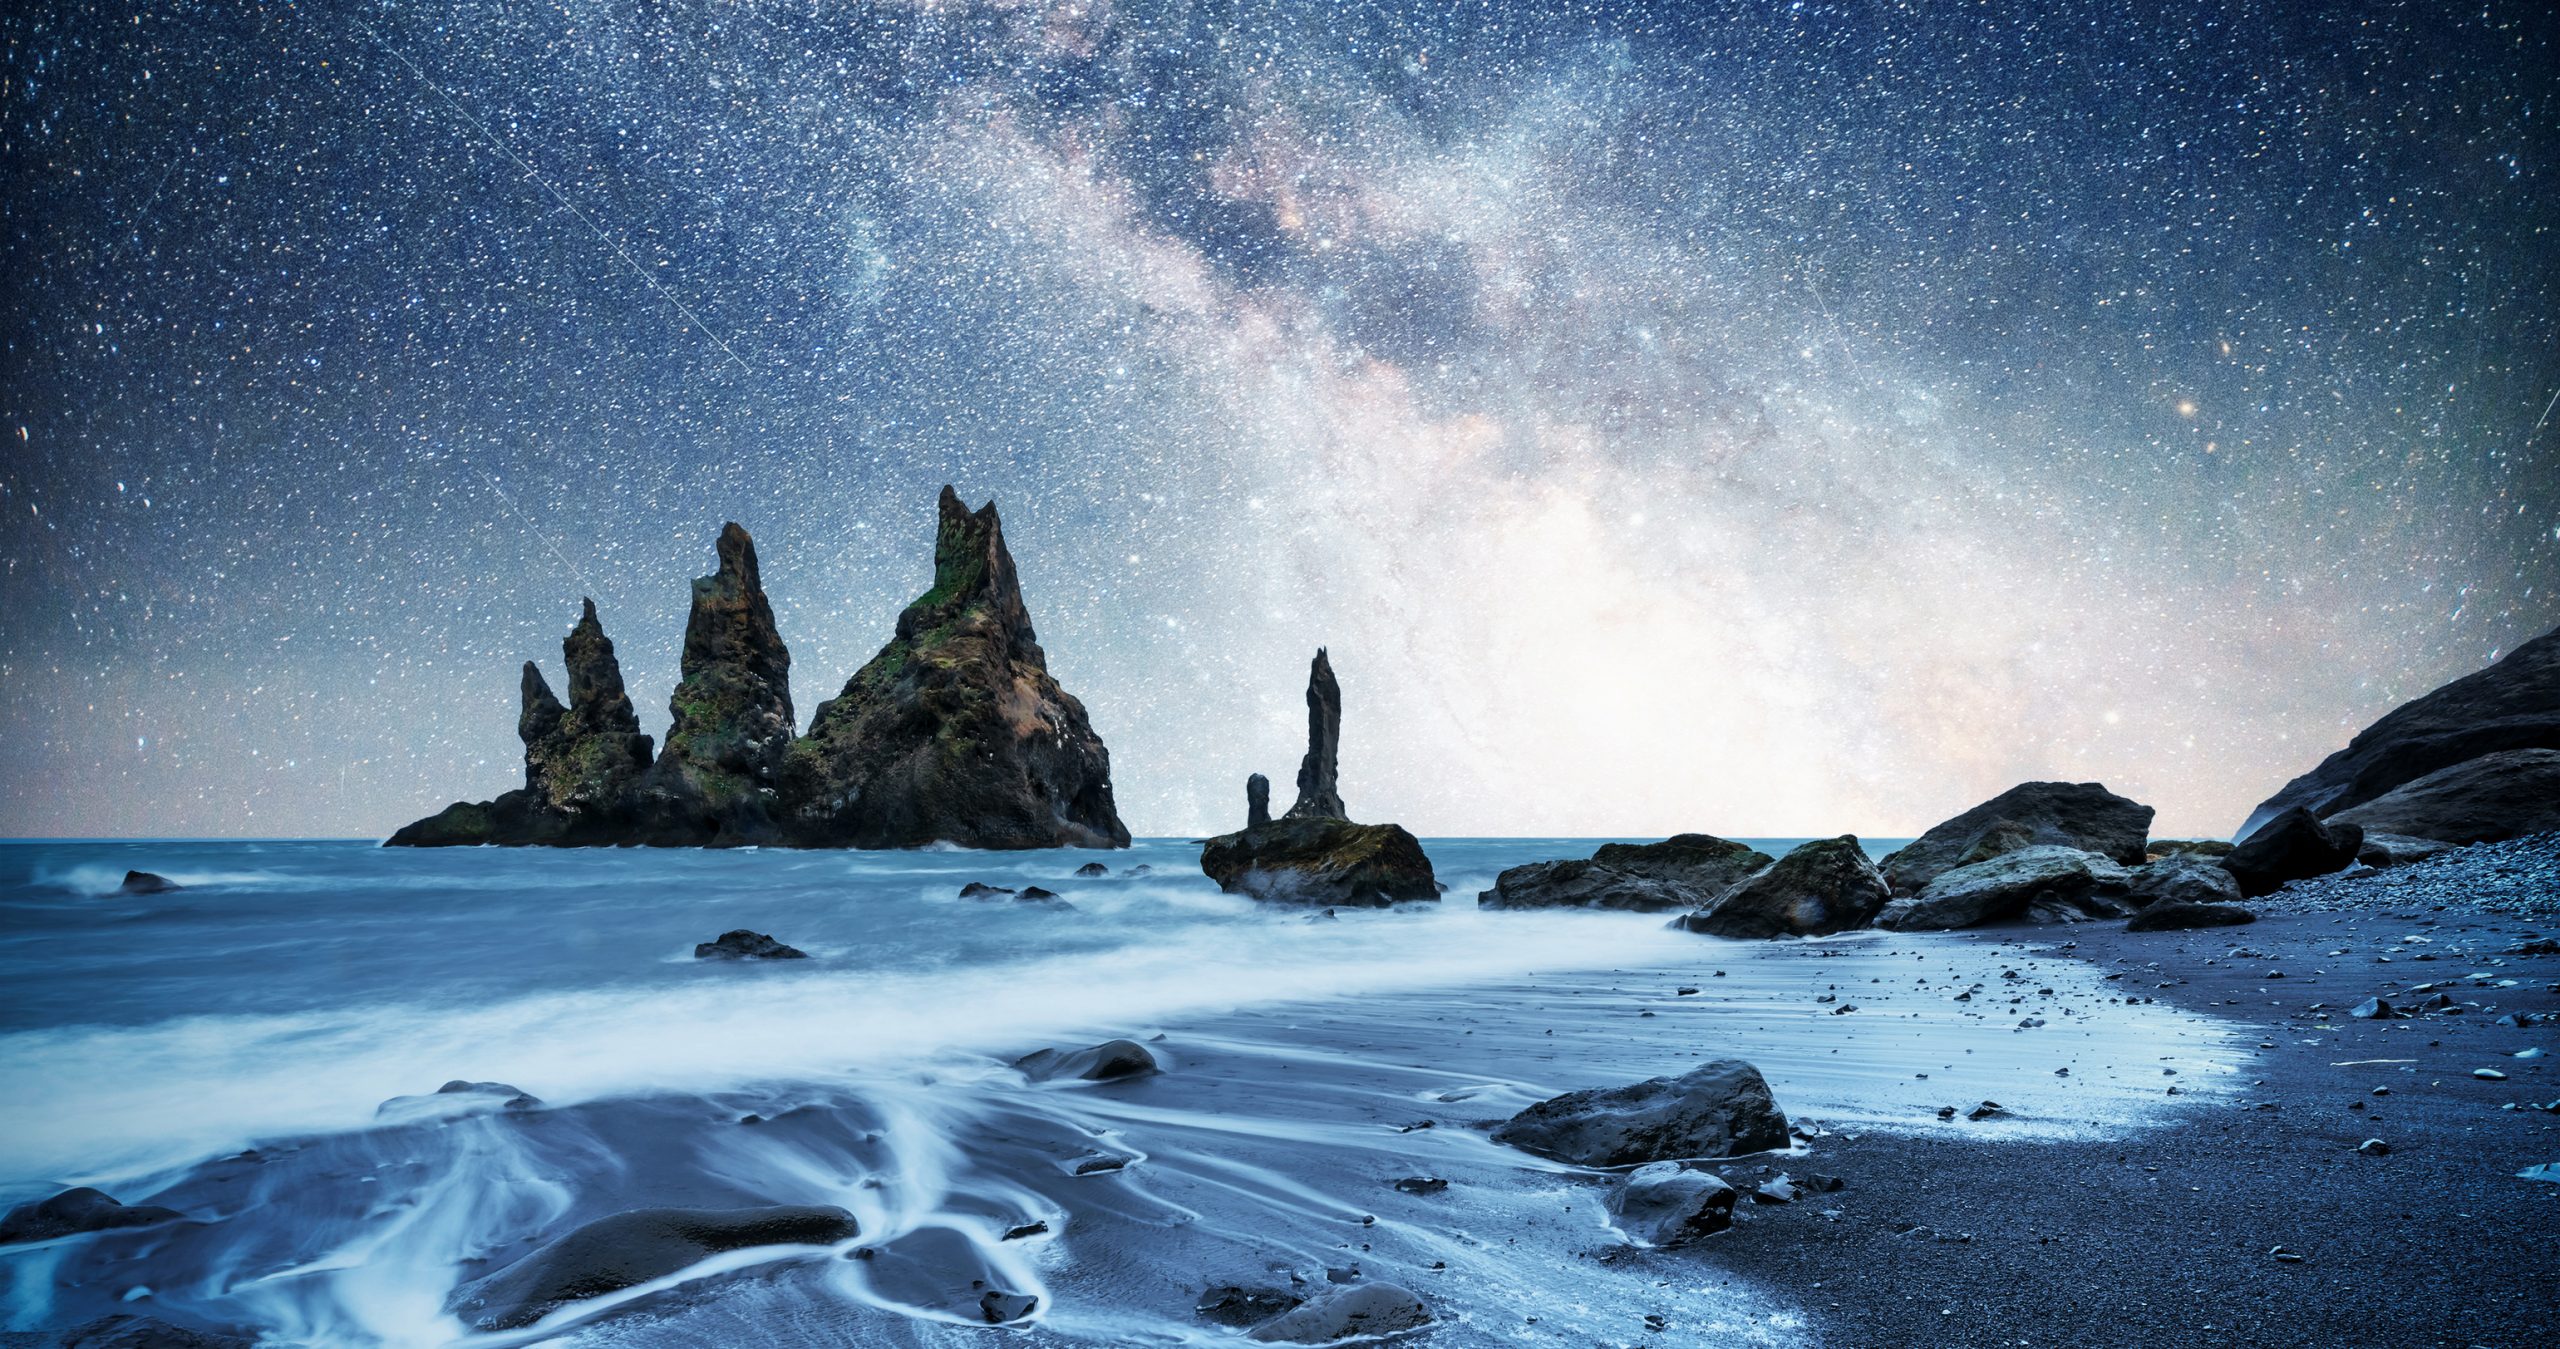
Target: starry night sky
[1762,418]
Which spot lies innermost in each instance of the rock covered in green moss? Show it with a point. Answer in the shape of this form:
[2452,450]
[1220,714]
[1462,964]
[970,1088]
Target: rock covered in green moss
[1319,861]
[955,731]
[717,779]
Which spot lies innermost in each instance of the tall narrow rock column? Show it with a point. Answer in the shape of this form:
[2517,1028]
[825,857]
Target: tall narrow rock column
[1319,792]
[733,721]
[1257,801]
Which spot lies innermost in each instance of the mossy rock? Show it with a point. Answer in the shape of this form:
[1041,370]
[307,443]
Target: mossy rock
[1321,861]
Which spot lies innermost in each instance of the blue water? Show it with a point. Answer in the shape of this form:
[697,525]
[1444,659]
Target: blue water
[291,988]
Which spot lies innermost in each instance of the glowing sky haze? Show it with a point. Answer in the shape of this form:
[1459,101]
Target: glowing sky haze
[1764,419]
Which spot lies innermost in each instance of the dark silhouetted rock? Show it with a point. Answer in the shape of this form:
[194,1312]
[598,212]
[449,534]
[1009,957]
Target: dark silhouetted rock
[1239,1306]
[741,944]
[2485,800]
[1718,1109]
[146,883]
[1668,1204]
[1105,1062]
[1000,1306]
[629,1249]
[2513,704]
[2043,883]
[1582,885]
[1702,863]
[76,1211]
[1319,788]
[955,731]
[1321,862]
[1257,801]
[2083,815]
[455,1099]
[1032,894]
[982,890]
[2292,847]
[2181,878]
[1824,886]
[1093,869]
[2398,850]
[1359,1311]
[718,776]
[143,1332]
[2178,847]
[2178,915]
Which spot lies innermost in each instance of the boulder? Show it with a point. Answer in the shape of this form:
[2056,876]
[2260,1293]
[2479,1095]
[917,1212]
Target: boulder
[1668,1204]
[1092,869]
[1105,1062]
[2200,847]
[2291,847]
[76,1211]
[740,944]
[1582,885]
[1719,1109]
[2181,878]
[1358,1311]
[146,883]
[2397,850]
[2484,800]
[2044,882]
[1701,863]
[1821,887]
[1319,788]
[1032,894]
[143,1332]
[2083,815]
[2513,704]
[2178,915]
[629,1249]
[982,890]
[1321,862]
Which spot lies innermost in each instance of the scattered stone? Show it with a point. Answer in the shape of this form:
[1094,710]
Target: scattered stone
[1668,1204]
[630,1249]
[2374,1009]
[1720,1109]
[740,944]
[76,1211]
[1778,1191]
[2373,1147]
[1106,1062]
[1986,1110]
[2285,1256]
[1096,1164]
[1422,1185]
[1029,1229]
[1353,1311]
[2488,1074]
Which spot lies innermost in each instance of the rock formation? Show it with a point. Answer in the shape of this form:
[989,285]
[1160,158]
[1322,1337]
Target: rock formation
[1313,855]
[2484,800]
[1822,887]
[1703,863]
[1257,801]
[1319,792]
[1671,1204]
[1718,1109]
[2182,878]
[2292,847]
[2082,815]
[2044,883]
[630,1249]
[2513,704]
[1579,884]
[953,732]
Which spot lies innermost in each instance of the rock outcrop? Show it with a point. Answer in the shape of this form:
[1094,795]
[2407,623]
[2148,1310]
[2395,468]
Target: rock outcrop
[2043,883]
[2293,846]
[629,1249]
[2083,815]
[76,1211]
[1703,863]
[1582,884]
[2181,878]
[2513,704]
[1313,857]
[954,732]
[2485,800]
[1824,886]
[1257,801]
[742,944]
[1719,1109]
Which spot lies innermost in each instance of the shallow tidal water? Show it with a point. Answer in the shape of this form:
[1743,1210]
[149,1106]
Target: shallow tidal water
[290,989]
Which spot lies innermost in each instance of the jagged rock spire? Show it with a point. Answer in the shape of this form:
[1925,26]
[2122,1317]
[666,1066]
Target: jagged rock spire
[586,757]
[1257,801]
[1319,791]
[540,719]
[732,709]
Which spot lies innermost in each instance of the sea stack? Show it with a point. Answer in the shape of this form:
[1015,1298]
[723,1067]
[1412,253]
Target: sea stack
[953,732]
[1313,855]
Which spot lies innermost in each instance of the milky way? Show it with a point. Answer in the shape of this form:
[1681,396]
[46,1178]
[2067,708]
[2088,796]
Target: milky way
[1759,419]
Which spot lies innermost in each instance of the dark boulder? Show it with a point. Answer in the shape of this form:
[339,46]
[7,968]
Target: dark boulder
[1718,1109]
[2484,800]
[955,731]
[1257,801]
[1668,1204]
[1582,885]
[2177,847]
[1239,1306]
[1702,863]
[2083,815]
[146,883]
[2178,915]
[144,1332]
[741,944]
[75,1211]
[982,890]
[1319,774]
[1092,869]
[2291,847]
[1321,862]
[1821,887]
[1032,894]
[2042,883]
[2398,850]
[629,1249]
[1106,1062]
[2513,704]
[1358,1311]
[2181,878]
